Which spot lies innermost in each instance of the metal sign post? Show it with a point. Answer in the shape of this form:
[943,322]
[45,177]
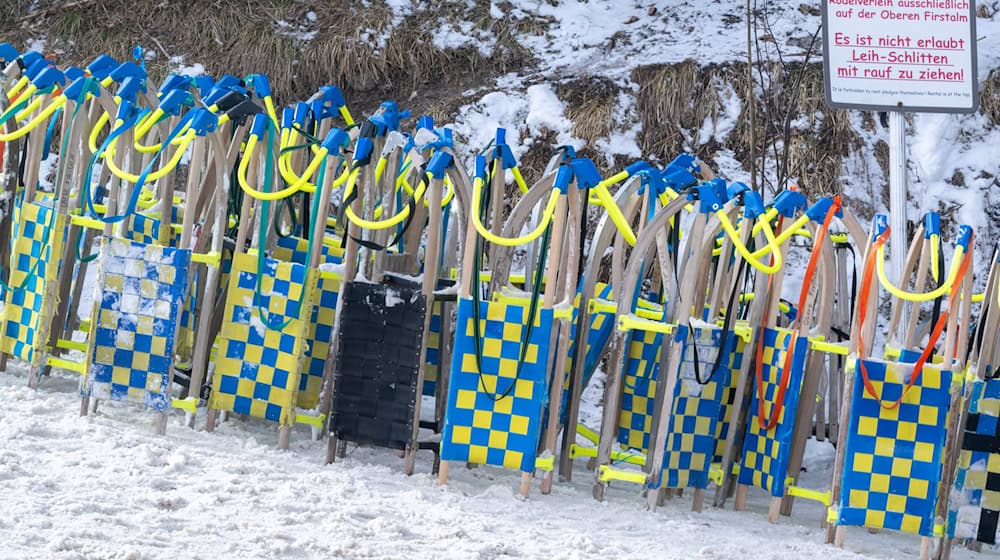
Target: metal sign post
[881,55]
[897,206]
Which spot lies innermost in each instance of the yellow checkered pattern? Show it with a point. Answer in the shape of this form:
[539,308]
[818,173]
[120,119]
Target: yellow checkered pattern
[493,416]
[974,509]
[764,461]
[131,343]
[892,466]
[433,358]
[34,262]
[258,366]
[642,365]
[319,333]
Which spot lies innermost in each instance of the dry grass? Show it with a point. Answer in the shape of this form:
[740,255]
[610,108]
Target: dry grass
[240,38]
[989,97]
[675,100]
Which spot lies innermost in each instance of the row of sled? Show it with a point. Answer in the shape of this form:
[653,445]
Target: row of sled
[294,265]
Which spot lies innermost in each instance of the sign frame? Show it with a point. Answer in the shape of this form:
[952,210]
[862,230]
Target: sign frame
[974,70]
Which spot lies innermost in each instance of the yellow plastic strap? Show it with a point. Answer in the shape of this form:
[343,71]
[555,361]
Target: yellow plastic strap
[615,213]
[939,529]
[84,221]
[545,463]
[839,238]
[519,179]
[379,224]
[34,123]
[71,345]
[189,404]
[832,515]
[606,474]
[956,264]
[587,433]
[785,235]
[806,494]
[271,112]
[773,245]
[818,344]
[109,158]
[85,325]
[314,421]
[286,140]
[630,322]
[576,451]
[935,249]
[69,365]
[142,128]
[300,184]
[95,132]
[346,115]
[546,218]
[21,82]
[211,258]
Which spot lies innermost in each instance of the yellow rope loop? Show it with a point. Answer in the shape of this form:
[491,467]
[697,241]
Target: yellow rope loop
[547,214]
[792,230]
[102,121]
[956,265]
[380,224]
[287,139]
[615,213]
[36,122]
[299,185]
[21,82]
[449,193]
[519,179]
[186,139]
[773,245]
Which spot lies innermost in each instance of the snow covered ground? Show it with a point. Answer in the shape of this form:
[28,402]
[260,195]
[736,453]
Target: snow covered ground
[106,487]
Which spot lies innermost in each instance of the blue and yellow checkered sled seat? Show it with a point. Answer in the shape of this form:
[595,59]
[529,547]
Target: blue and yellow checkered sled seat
[697,410]
[131,349]
[769,433]
[432,368]
[324,310]
[145,228]
[974,502]
[974,505]
[261,345]
[897,428]
[494,413]
[600,327]
[36,247]
[698,407]
[892,467]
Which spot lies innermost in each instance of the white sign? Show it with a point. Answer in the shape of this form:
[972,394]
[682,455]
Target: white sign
[909,55]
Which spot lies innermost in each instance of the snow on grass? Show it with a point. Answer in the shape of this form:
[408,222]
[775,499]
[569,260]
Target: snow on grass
[464,34]
[547,112]
[177,66]
[623,139]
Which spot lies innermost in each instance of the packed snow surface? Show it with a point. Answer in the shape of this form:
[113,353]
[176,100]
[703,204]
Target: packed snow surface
[105,487]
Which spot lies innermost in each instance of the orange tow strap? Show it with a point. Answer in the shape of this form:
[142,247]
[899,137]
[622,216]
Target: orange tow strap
[935,334]
[786,369]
